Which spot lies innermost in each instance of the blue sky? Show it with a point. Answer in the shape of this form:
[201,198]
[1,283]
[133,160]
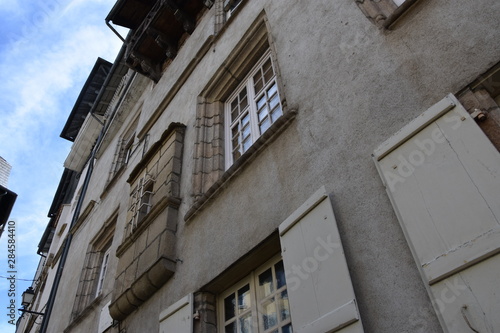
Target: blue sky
[47,50]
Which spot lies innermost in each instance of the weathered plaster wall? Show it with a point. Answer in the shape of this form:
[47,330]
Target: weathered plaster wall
[353,86]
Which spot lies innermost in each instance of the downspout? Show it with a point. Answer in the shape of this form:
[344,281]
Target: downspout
[67,242]
[114,30]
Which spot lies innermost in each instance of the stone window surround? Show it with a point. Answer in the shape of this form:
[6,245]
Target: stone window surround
[223,13]
[481,99]
[205,304]
[147,254]
[86,296]
[256,122]
[383,13]
[210,174]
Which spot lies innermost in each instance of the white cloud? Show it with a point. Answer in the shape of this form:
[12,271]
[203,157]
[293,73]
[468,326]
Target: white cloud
[44,64]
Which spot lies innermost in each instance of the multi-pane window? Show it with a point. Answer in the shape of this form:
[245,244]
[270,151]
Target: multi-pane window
[141,201]
[259,303]
[102,272]
[146,200]
[93,275]
[252,109]
[230,6]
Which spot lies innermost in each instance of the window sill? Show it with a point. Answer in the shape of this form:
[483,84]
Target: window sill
[94,304]
[113,181]
[280,125]
[83,216]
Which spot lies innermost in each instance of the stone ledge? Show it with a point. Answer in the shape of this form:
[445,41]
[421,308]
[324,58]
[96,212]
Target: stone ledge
[164,203]
[142,289]
[267,137]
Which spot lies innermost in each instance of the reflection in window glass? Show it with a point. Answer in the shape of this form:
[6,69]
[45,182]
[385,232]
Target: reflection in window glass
[244,298]
[229,307]
[256,103]
[261,305]
[266,282]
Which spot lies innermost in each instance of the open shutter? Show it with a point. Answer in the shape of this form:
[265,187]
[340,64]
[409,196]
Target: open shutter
[319,286]
[442,175]
[178,318]
[105,320]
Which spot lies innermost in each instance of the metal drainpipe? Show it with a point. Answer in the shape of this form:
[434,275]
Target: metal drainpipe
[67,242]
[114,30]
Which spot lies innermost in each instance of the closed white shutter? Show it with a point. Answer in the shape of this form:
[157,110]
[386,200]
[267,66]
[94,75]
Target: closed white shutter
[178,318]
[442,175]
[319,286]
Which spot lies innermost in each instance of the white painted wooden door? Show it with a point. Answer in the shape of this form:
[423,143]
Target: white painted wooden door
[319,286]
[442,175]
[178,318]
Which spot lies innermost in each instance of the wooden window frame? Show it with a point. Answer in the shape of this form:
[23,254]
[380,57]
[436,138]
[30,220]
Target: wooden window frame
[251,109]
[102,270]
[256,300]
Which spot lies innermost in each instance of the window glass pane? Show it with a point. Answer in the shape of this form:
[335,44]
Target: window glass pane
[246,144]
[244,103]
[268,70]
[234,110]
[266,283]
[236,137]
[243,93]
[274,101]
[236,144]
[269,315]
[246,323]
[287,329]
[265,125]
[243,99]
[244,298]
[236,155]
[272,90]
[246,131]
[229,303]
[284,306]
[280,274]
[245,120]
[231,328]
[261,102]
[276,114]
[257,82]
[263,114]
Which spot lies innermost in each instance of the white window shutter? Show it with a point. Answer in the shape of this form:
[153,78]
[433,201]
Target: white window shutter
[442,175]
[319,286]
[105,320]
[178,318]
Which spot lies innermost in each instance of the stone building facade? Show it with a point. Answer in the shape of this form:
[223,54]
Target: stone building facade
[269,166]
